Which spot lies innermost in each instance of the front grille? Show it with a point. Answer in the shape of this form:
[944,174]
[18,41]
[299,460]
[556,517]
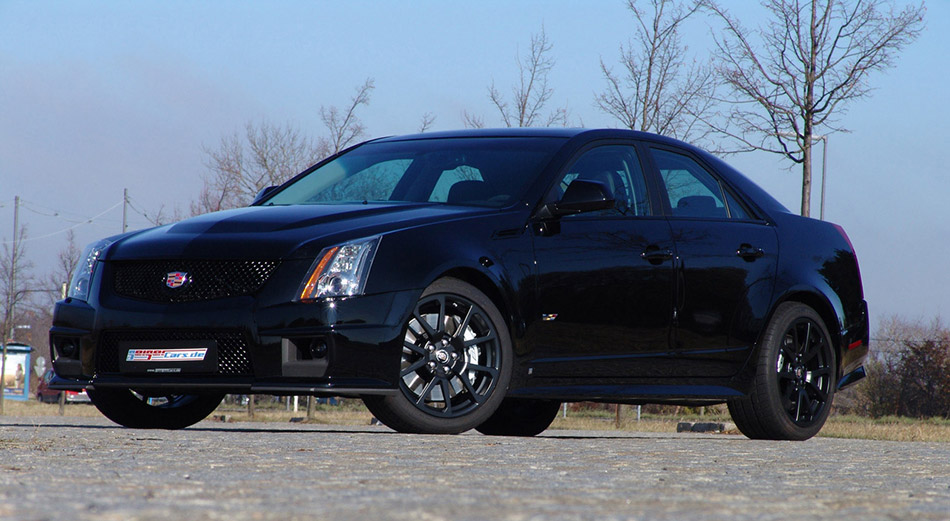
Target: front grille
[233,359]
[205,280]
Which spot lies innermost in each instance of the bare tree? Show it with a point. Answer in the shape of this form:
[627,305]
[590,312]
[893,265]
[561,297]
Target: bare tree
[243,165]
[164,216]
[38,312]
[66,262]
[426,122]
[343,126]
[658,89]
[268,155]
[530,95]
[472,120]
[14,281]
[792,79]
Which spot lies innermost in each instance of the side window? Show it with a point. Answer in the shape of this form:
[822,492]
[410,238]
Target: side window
[618,168]
[692,190]
[736,210]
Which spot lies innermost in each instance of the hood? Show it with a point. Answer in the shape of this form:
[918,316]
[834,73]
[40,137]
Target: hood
[279,232]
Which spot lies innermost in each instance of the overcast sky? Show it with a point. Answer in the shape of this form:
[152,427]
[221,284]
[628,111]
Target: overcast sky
[100,96]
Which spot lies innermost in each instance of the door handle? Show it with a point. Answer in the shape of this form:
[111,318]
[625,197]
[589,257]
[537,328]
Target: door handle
[656,256]
[749,252]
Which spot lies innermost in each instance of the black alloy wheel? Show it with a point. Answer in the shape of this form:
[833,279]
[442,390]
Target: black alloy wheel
[150,411]
[795,378]
[804,371]
[455,364]
[451,356]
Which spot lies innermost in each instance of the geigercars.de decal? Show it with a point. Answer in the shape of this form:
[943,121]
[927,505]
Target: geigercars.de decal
[163,355]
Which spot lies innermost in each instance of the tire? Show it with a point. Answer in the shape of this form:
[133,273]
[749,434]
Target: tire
[520,417]
[795,378]
[139,411]
[455,366]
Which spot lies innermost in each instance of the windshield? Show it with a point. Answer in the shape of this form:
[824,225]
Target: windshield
[491,172]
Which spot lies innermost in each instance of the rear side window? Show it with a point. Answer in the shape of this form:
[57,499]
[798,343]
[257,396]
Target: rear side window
[694,192]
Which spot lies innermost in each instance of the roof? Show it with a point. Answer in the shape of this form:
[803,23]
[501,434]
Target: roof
[558,132]
[490,132]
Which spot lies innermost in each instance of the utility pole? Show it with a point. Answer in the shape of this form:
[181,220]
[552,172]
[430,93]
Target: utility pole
[11,302]
[125,206]
[13,263]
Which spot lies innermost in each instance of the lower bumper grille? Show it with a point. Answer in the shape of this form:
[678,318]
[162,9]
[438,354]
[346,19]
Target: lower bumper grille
[232,346]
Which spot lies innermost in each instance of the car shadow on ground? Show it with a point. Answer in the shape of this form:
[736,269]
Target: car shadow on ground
[321,429]
[190,429]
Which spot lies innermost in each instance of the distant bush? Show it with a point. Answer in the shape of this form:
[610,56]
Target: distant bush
[908,373]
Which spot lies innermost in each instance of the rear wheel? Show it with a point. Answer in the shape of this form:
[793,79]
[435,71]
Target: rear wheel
[520,417]
[794,379]
[150,411]
[456,363]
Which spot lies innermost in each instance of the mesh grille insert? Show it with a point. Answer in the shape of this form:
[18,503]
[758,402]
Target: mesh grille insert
[204,279]
[232,348]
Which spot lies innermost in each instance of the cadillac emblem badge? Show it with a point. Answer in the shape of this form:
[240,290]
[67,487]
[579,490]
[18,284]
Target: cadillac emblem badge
[176,279]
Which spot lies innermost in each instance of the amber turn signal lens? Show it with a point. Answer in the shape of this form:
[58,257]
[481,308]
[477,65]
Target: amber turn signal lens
[310,288]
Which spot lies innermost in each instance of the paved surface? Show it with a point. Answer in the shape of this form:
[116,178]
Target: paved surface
[55,468]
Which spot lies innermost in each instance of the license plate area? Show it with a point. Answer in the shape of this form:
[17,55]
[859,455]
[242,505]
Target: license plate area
[168,357]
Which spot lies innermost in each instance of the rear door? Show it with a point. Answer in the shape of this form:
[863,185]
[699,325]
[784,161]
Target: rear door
[725,266]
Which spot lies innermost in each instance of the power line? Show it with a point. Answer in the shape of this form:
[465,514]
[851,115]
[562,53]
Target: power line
[135,209]
[56,211]
[57,216]
[74,226]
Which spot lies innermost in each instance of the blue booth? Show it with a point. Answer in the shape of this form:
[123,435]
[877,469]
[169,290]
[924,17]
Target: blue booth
[16,374]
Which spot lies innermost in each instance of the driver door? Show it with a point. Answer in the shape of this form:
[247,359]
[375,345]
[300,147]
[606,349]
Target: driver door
[605,278]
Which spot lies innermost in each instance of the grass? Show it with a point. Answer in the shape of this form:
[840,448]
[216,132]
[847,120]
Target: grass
[888,428]
[34,408]
[352,412]
[349,412]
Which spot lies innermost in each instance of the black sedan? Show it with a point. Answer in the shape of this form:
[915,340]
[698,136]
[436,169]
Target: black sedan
[478,279]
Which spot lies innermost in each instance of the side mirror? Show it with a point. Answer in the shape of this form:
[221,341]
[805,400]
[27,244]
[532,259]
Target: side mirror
[262,194]
[583,195]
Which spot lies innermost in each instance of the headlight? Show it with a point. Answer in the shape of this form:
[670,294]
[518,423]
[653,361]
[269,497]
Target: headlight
[340,271]
[82,275]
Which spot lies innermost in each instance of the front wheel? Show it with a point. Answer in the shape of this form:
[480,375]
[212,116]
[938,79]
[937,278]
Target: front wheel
[143,411]
[795,378]
[455,366]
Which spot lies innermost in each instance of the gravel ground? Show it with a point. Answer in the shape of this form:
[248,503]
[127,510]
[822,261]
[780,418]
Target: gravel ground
[54,468]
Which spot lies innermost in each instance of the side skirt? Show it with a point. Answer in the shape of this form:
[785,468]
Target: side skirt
[689,395]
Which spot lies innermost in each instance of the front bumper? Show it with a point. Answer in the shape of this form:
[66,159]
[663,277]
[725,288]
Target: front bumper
[342,347]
